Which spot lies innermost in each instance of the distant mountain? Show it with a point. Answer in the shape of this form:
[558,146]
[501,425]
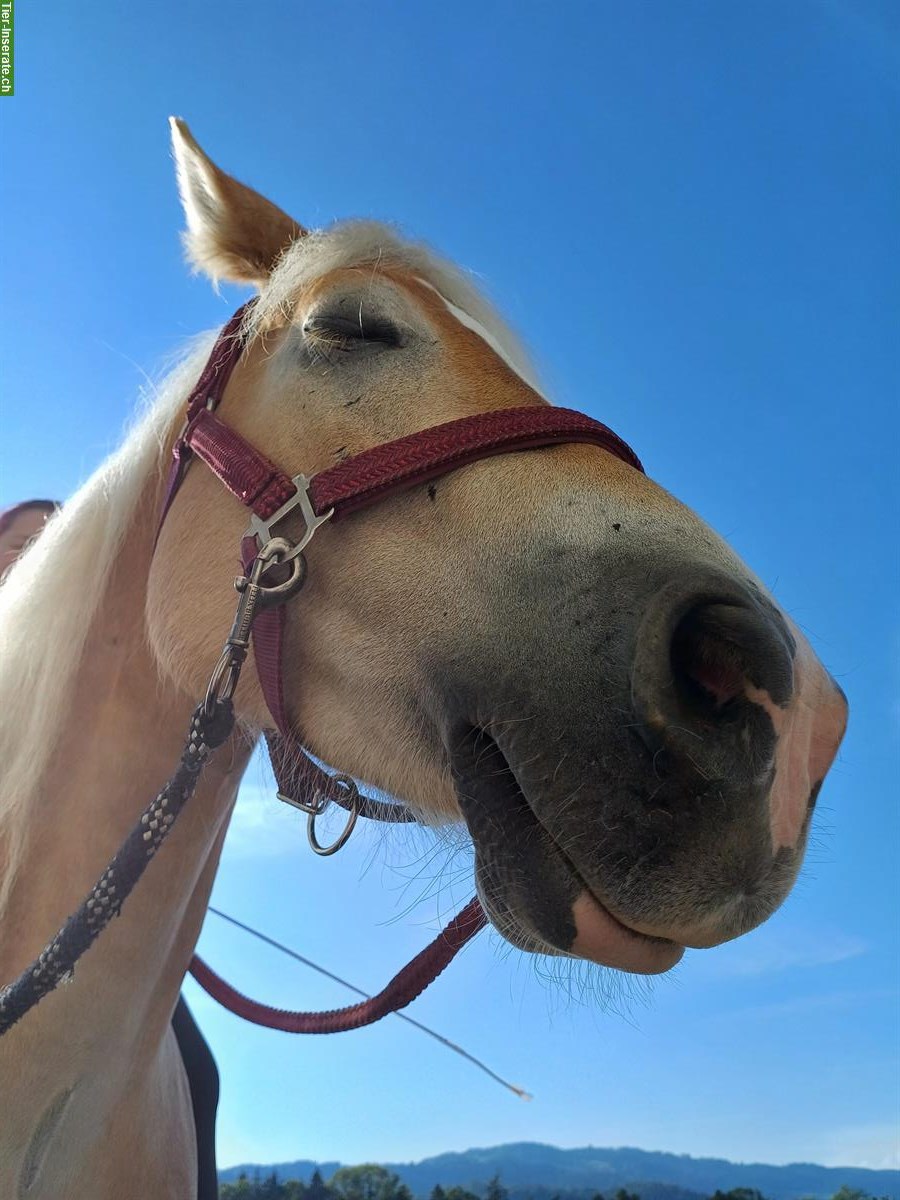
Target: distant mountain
[531,1170]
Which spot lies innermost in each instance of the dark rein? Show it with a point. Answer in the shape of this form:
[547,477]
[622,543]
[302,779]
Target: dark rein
[274,571]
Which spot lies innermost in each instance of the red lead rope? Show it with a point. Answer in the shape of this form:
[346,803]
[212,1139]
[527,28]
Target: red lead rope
[402,990]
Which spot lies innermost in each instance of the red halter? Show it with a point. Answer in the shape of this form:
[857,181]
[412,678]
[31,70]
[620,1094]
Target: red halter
[356,483]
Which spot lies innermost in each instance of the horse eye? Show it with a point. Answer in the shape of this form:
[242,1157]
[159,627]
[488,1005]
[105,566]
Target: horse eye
[349,333]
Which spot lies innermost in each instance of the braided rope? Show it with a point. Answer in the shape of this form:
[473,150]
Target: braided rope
[56,962]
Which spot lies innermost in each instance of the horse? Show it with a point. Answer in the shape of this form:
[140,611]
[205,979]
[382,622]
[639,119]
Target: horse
[545,646]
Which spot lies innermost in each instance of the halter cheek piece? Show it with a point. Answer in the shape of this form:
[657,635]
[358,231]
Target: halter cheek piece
[274,571]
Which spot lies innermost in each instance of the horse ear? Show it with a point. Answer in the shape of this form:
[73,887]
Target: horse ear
[232,232]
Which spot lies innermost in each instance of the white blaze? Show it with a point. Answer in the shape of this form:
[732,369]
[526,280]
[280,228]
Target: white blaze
[469,322]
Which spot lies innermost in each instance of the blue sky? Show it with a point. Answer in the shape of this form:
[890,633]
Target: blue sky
[690,212]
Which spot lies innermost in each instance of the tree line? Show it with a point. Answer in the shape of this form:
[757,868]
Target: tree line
[373,1182]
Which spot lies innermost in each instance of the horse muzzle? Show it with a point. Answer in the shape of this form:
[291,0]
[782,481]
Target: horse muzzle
[675,813]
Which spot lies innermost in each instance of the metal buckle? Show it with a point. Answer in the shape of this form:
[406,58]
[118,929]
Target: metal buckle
[318,806]
[262,530]
[210,405]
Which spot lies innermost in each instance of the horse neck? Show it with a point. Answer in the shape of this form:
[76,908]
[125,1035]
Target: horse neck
[118,743]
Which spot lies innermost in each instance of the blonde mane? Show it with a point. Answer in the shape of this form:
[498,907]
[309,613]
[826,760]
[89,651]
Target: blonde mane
[48,600]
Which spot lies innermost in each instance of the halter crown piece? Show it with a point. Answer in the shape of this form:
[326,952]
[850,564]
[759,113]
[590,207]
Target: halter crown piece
[274,571]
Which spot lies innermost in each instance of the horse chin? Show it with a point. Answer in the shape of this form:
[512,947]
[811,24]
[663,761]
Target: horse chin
[530,888]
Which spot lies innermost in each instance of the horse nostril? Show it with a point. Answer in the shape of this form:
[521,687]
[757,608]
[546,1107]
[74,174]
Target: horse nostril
[708,669]
[712,662]
[718,650]
[723,699]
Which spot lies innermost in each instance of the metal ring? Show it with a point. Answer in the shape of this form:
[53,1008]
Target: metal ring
[343,836]
[277,593]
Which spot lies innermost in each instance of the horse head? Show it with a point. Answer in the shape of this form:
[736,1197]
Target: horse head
[547,645]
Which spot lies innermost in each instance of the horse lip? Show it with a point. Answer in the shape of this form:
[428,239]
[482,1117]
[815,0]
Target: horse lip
[593,895]
[657,939]
[631,949]
[587,888]
[667,949]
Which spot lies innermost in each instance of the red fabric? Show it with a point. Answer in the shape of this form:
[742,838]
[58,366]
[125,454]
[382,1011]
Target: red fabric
[223,357]
[206,394]
[246,473]
[394,466]
[390,468]
[180,455]
[268,642]
[402,990]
